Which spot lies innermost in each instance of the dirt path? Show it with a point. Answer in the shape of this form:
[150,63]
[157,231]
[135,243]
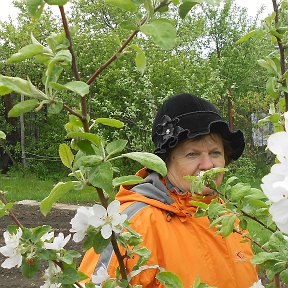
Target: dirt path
[30,216]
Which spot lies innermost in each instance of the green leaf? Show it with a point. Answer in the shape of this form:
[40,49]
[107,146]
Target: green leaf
[127,5]
[128,25]
[68,256]
[110,122]
[99,243]
[247,37]
[162,32]
[95,139]
[66,155]
[57,2]
[23,107]
[127,180]
[228,225]
[59,190]
[55,107]
[35,8]
[4,90]
[78,87]
[268,64]
[70,275]
[149,160]
[2,135]
[199,204]
[140,59]
[116,146]
[185,7]
[271,87]
[63,57]
[111,283]
[25,53]
[89,160]
[20,86]
[101,177]
[29,267]
[169,280]
[238,191]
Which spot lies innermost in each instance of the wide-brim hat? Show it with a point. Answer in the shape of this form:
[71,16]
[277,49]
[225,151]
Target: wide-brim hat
[186,116]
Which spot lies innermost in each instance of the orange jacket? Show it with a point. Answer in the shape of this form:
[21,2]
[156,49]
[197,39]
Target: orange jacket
[178,242]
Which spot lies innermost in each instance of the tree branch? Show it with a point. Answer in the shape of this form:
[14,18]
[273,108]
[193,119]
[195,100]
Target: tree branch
[282,53]
[124,45]
[75,69]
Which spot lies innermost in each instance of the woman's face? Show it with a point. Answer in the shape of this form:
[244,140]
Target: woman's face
[192,156]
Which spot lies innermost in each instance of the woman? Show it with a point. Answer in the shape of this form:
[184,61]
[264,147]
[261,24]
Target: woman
[190,135]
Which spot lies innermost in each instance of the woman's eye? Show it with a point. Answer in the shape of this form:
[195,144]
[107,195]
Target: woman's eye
[192,155]
[217,153]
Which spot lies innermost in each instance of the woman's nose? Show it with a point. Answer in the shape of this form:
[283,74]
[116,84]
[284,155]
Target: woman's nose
[205,162]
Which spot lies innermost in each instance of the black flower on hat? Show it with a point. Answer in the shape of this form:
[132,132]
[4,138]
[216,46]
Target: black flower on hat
[168,130]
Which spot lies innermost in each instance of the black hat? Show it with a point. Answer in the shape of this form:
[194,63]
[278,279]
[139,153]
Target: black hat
[186,116]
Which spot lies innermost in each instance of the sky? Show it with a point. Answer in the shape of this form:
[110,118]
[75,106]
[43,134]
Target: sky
[253,6]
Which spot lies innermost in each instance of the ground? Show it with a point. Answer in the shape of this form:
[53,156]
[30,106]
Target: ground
[30,216]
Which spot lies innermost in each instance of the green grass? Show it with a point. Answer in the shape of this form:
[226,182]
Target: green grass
[21,186]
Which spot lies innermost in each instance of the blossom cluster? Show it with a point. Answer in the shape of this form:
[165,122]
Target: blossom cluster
[15,247]
[97,216]
[106,221]
[275,184]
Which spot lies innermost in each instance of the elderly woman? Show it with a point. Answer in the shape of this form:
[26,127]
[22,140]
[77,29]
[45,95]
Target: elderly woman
[190,135]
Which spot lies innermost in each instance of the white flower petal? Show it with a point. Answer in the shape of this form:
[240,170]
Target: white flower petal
[12,262]
[99,211]
[280,169]
[279,212]
[113,208]
[47,236]
[106,231]
[95,221]
[101,275]
[78,237]
[286,121]
[269,190]
[7,251]
[257,284]
[277,143]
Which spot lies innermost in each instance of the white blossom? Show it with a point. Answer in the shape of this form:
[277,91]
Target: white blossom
[109,220]
[100,277]
[80,223]
[12,249]
[277,143]
[58,242]
[279,212]
[47,236]
[257,284]
[275,184]
[49,275]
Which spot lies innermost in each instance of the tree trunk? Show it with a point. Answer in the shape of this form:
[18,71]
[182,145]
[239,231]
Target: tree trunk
[230,109]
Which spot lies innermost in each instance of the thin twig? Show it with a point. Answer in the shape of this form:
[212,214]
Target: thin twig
[249,216]
[124,45]
[73,112]
[112,58]
[252,240]
[11,214]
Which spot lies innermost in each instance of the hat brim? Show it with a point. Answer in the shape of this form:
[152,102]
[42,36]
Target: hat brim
[204,123]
